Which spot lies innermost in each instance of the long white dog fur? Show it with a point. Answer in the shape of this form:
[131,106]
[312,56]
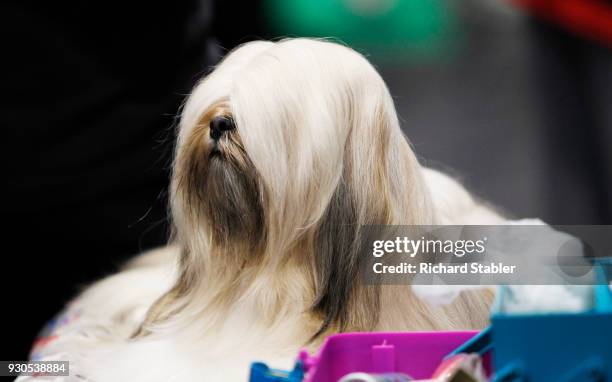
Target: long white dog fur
[264,253]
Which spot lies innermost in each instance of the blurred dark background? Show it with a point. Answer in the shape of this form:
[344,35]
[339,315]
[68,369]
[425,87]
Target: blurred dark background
[512,97]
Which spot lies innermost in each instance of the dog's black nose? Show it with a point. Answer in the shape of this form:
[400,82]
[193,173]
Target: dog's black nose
[220,125]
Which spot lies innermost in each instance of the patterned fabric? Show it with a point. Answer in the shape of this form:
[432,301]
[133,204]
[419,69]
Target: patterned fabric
[53,330]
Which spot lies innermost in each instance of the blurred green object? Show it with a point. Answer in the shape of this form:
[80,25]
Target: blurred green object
[404,29]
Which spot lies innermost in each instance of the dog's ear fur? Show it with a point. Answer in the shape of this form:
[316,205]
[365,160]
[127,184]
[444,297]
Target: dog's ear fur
[341,299]
[361,199]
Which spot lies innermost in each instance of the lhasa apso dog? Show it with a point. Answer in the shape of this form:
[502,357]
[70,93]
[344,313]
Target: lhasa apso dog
[284,152]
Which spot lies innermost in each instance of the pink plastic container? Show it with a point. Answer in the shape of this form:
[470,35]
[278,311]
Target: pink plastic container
[417,354]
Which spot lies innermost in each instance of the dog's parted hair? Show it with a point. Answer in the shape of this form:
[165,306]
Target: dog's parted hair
[275,212]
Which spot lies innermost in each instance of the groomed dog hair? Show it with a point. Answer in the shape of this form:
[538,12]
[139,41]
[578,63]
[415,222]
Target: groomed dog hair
[277,212]
[268,217]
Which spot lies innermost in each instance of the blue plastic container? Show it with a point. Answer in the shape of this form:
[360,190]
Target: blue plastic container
[553,347]
[556,347]
[560,347]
